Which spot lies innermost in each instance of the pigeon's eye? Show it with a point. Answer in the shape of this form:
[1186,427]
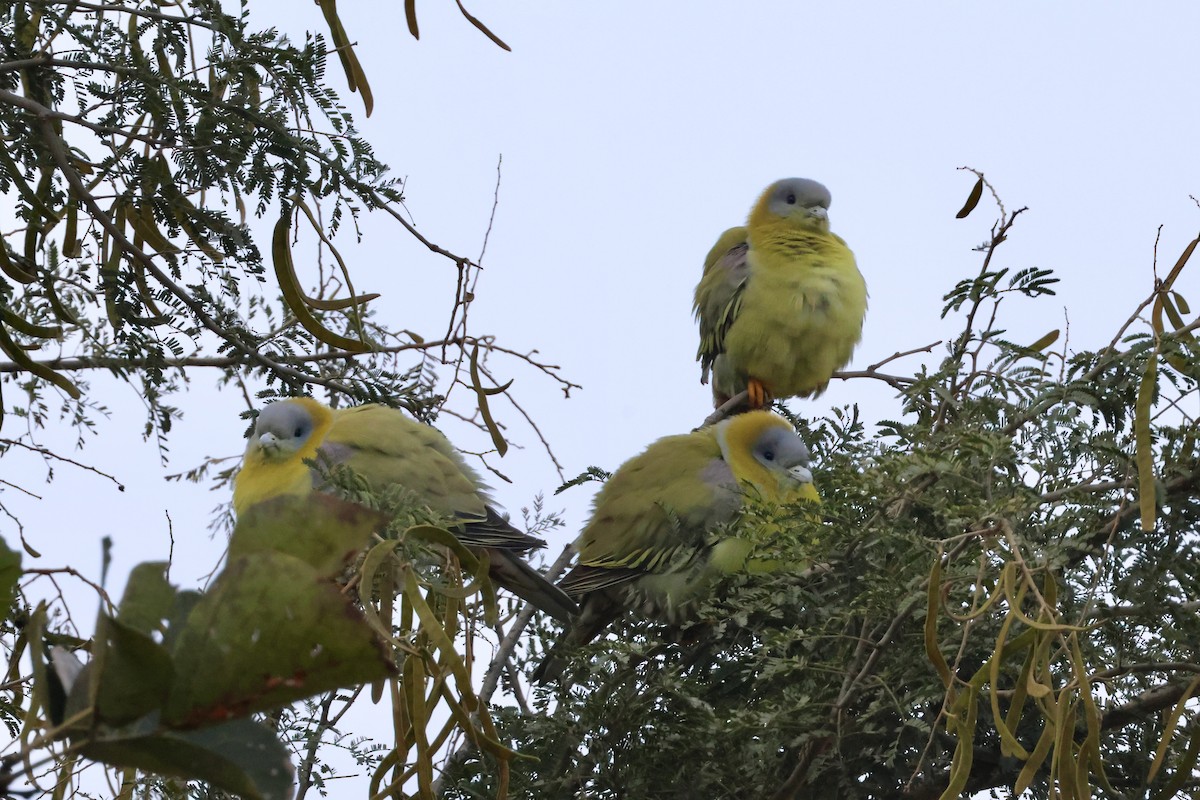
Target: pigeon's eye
[769,455]
[299,431]
[791,199]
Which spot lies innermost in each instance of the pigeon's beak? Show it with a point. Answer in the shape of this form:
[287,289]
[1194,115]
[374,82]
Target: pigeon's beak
[801,473]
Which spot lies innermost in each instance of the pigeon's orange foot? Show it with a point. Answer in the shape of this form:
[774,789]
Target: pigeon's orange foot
[757,395]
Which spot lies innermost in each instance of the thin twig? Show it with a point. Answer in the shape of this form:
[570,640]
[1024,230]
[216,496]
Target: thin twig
[725,409]
[51,454]
[193,19]
[509,643]
[80,363]
[74,573]
[304,771]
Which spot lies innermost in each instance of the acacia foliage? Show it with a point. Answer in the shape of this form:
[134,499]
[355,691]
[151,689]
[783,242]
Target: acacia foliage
[146,149]
[1002,593]
[139,145]
[175,182]
[1022,534]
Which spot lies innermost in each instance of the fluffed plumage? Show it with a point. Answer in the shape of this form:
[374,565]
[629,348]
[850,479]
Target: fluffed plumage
[386,448]
[652,540]
[781,301]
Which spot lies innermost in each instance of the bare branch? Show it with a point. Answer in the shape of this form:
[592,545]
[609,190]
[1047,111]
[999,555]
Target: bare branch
[55,456]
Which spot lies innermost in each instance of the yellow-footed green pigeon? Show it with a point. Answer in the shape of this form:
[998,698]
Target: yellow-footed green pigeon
[657,540]
[781,301]
[294,439]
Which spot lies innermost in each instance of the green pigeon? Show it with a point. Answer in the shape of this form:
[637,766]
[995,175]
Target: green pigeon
[781,301]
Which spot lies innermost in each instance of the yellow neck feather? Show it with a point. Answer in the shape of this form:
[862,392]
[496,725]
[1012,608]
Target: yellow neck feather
[265,475]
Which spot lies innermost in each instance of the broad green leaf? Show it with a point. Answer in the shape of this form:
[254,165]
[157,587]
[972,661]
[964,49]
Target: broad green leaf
[241,756]
[270,631]
[10,573]
[48,695]
[321,530]
[149,598]
[132,673]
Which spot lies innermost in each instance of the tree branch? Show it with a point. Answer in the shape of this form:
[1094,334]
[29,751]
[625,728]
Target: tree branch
[79,363]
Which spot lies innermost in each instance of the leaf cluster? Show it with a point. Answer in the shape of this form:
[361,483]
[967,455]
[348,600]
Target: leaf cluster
[143,145]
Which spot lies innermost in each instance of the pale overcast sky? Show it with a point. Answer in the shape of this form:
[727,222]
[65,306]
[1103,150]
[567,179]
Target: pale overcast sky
[633,133]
